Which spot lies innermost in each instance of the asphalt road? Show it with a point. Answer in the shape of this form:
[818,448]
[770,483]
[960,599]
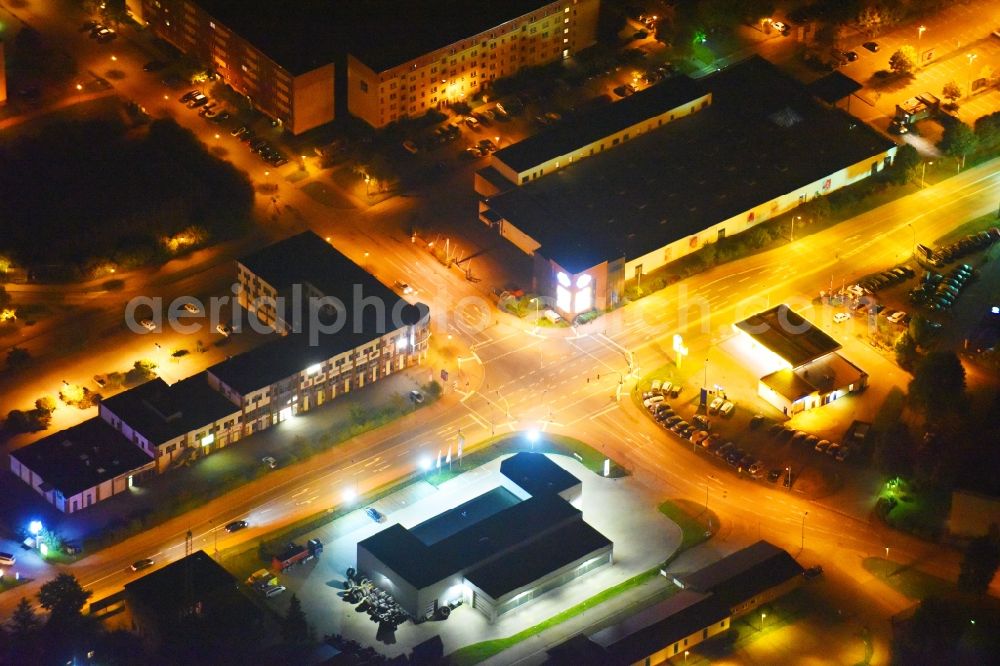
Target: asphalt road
[513,378]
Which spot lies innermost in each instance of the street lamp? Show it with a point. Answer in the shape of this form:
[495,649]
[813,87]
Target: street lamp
[686,653]
[791,234]
[923,170]
[803,544]
[920,32]
[971,57]
[887,552]
[762,616]
[914,234]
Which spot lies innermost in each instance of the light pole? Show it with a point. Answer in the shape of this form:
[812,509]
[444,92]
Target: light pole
[971,57]
[762,616]
[803,544]
[923,171]
[887,552]
[788,472]
[920,32]
[914,234]
[686,653]
[791,234]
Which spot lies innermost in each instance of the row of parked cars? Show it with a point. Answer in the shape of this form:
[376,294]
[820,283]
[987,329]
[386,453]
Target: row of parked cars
[782,433]
[958,249]
[938,292]
[699,431]
[262,147]
[886,279]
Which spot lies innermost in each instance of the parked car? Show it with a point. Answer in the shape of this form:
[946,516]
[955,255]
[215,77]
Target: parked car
[702,422]
[713,407]
[236,526]
[756,421]
[841,317]
[822,445]
[851,56]
[7,559]
[139,565]
[416,396]
[410,147]
[727,409]
[274,591]
[812,572]
[269,461]
[374,514]
[871,46]
[225,330]
[774,474]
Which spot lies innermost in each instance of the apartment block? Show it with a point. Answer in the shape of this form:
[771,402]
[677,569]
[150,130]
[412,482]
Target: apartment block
[389,82]
[279,58]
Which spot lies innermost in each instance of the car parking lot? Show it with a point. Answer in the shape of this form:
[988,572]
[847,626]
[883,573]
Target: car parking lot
[749,444]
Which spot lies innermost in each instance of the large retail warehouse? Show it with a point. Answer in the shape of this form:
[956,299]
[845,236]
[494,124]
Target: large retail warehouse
[711,158]
[497,551]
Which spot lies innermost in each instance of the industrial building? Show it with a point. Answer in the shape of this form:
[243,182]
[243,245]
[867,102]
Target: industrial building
[81,466]
[746,144]
[803,368]
[496,552]
[706,605]
[303,63]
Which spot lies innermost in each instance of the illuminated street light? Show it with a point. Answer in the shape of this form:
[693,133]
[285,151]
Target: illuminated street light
[762,616]
[79,86]
[920,32]
[532,436]
[803,544]
[923,170]
[971,57]
[425,464]
[114,58]
[35,527]
[349,495]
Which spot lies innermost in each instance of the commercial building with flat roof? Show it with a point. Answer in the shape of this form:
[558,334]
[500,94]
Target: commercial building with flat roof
[709,600]
[174,422]
[496,552]
[802,367]
[448,51]
[343,330]
[762,147]
[193,594]
[591,133]
[80,466]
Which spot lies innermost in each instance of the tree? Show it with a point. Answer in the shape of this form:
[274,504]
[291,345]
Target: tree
[893,450]
[45,404]
[17,357]
[64,598]
[980,563]
[951,91]
[959,140]
[920,330]
[904,164]
[906,350]
[938,383]
[23,620]
[904,60]
[294,628]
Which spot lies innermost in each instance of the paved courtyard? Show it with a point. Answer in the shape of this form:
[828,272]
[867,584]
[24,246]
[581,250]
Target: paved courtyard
[621,509]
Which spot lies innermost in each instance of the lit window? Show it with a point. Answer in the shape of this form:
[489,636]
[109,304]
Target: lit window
[563,298]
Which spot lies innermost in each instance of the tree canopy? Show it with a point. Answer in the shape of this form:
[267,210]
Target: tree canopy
[904,60]
[938,383]
[64,598]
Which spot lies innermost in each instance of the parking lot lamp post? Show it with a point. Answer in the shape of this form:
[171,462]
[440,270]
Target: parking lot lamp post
[686,653]
[762,616]
[923,171]
[788,472]
[803,544]
[920,32]
[971,57]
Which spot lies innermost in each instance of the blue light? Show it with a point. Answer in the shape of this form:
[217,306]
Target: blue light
[35,527]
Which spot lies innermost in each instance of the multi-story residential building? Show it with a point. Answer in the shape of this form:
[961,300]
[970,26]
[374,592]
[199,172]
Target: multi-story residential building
[280,57]
[450,60]
[407,57]
[173,423]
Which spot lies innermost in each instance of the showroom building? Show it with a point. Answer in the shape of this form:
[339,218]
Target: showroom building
[755,145]
[496,552]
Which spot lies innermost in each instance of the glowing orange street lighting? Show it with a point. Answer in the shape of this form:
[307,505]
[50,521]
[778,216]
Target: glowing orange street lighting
[114,58]
[79,86]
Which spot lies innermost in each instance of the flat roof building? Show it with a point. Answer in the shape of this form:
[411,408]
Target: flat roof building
[802,367]
[193,599]
[406,57]
[446,52]
[80,466]
[496,552]
[174,422]
[710,599]
[762,146]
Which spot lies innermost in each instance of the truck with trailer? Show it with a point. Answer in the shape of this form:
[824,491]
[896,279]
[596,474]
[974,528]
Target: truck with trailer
[294,554]
[912,110]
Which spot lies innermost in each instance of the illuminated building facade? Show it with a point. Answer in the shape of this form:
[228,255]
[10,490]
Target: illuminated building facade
[386,84]
[800,365]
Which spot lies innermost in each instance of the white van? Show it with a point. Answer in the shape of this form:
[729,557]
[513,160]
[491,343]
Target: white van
[656,388]
[727,409]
